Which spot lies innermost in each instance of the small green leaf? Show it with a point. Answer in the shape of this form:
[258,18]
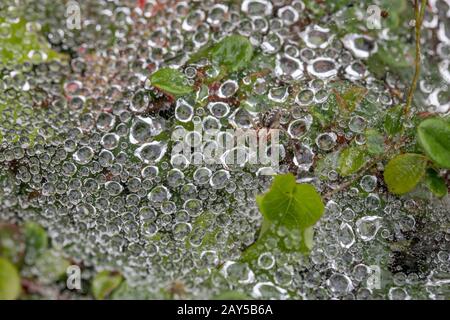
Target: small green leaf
[12,246]
[292,205]
[350,161]
[23,43]
[234,52]
[289,210]
[9,280]
[352,97]
[435,183]
[280,239]
[36,241]
[326,164]
[104,283]
[140,292]
[404,172]
[204,52]
[396,56]
[51,266]
[232,295]
[393,54]
[393,120]
[434,137]
[374,142]
[171,81]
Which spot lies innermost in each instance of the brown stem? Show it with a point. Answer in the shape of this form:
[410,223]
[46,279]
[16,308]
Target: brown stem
[419,14]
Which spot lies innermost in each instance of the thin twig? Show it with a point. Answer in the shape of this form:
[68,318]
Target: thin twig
[386,155]
[348,183]
[419,14]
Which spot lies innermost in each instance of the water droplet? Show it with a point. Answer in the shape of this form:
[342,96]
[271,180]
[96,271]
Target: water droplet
[367,227]
[83,155]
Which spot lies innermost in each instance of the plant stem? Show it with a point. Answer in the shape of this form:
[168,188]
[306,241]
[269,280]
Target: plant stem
[419,11]
[348,183]
[419,14]
[386,155]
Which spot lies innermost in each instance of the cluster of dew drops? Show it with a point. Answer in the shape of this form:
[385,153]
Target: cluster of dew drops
[82,155]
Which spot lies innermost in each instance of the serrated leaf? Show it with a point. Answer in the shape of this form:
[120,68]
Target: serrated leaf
[9,280]
[393,120]
[435,183]
[374,142]
[404,172]
[350,161]
[289,204]
[104,283]
[234,52]
[171,81]
[434,137]
[36,241]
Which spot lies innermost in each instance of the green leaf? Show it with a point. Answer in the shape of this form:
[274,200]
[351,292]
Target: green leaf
[396,56]
[203,222]
[9,280]
[23,44]
[104,283]
[351,98]
[324,117]
[292,205]
[51,266]
[231,295]
[350,161]
[308,238]
[204,52]
[280,239]
[434,137]
[393,120]
[171,81]
[234,52]
[36,241]
[140,292]
[324,165]
[374,142]
[289,210]
[435,183]
[12,244]
[404,172]
[261,61]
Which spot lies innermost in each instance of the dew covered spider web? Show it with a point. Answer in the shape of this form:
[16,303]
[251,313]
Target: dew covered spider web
[86,148]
